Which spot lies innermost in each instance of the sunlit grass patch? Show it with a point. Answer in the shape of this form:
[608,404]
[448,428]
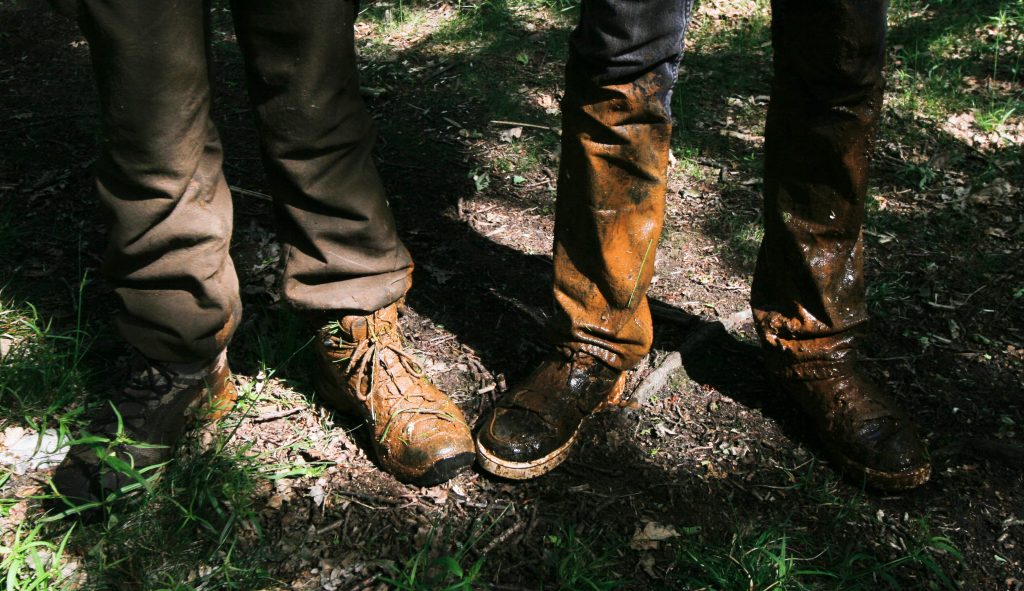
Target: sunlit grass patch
[42,369]
[32,561]
[954,57]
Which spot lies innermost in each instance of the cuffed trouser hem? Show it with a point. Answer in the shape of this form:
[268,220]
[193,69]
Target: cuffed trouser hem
[357,296]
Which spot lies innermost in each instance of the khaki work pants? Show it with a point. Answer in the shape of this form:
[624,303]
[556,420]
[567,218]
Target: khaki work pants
[159,172]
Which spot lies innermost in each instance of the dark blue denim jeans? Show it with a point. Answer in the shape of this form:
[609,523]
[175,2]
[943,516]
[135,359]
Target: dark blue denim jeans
[620,40]
[808,288]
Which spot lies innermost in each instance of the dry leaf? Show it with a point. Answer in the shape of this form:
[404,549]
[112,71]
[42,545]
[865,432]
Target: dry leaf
[652,533]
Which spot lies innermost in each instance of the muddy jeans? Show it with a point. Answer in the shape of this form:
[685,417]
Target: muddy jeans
[808,289]
[159,173]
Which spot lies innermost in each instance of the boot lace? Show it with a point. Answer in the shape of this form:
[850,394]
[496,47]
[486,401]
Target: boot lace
[148,383]
[366,357]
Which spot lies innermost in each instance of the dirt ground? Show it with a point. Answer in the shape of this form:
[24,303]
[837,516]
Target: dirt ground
[716,454]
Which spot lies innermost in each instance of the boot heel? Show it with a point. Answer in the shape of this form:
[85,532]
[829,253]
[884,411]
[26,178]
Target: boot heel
[325,392]
[219,405]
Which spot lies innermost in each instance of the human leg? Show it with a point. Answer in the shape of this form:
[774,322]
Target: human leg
[616,128]
[342,251]
[808,291]
[159,179]
[343,257]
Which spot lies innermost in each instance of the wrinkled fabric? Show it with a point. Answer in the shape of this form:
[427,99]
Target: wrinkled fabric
[609,213]
[808,291]
[159,173]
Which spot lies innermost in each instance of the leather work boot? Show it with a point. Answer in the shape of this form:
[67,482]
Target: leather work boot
[159,404]
[533,427]
[419,435]
[862,430]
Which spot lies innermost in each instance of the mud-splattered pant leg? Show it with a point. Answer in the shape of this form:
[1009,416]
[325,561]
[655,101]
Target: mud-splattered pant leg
[616,127]
[342,251]
[159,177]
[808,292]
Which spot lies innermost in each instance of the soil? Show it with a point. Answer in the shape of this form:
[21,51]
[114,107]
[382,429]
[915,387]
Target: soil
[716,449]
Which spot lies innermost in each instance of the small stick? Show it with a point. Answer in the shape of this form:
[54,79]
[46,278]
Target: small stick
[505,535]
[990,449]
[249,193]
[273,416]
[519,124]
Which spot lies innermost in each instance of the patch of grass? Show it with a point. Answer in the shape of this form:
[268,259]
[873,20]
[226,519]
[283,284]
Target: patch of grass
[191,525]
[578,562]
[443,573]
[30,562]
[941,45]
[196,528]
[741,237]
[431,569]
[786,558]
[43,373]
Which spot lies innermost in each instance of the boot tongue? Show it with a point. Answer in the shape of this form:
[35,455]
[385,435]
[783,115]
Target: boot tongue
[355,328]
[358,328]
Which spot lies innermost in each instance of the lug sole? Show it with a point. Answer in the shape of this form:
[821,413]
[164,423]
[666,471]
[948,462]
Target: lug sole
[493,464]
[443,470]
[881,480]
[503,468]
[523,470]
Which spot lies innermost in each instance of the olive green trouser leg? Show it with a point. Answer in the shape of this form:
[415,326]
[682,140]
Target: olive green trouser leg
[342,251]
[159,173]
[159,178]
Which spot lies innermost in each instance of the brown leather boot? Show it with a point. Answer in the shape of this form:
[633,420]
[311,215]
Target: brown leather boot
[419,435]
[159,404]
[533,427]
[861,429]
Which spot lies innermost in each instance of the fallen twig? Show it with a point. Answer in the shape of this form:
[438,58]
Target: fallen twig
[519,124]
[532,312]
[273,416]
[990,449]
[249,193]
[503,537]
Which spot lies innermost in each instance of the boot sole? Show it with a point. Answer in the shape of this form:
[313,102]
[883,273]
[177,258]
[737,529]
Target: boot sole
[444,470]
[881,480]
[523,470]
[534,468]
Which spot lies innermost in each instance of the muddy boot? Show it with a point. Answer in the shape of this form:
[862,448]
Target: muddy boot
[419,435]
[159,404]
[609,213]
[534,426]
[808,290]
[862,430]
